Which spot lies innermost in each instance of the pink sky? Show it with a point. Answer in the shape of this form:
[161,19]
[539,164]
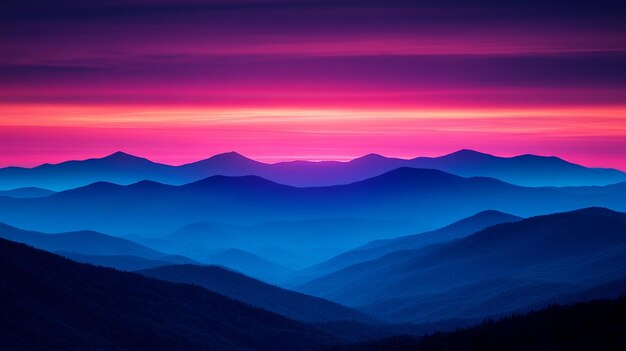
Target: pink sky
[180,81]
[590,136]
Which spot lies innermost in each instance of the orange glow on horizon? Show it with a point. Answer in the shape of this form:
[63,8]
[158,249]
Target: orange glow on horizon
[590,135]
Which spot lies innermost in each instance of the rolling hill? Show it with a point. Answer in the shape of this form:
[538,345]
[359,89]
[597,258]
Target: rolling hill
[26,192]
[93,247]
[55,304]
[126,262]
[85,242]
[290,304]
[295,244]
[501,269]
[379,248]
[119,167]
[249,264]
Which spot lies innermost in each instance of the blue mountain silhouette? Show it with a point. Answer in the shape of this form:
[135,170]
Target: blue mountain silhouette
[122,168]
[379,248]
[290,304]
[55,304]
[498,270]
[430,197]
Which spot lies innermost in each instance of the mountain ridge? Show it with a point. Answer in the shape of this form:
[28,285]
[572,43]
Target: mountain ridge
[124,168]
[528,261]
[379,248]
[290,304]
[431,197]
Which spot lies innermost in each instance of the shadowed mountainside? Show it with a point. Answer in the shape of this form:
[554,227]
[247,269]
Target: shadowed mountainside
[93,247]
[380,248]
[85,242]
[55,304]
[126,262]
[290,243]
[249,264]
[596,325]
[290,304]
[501,269]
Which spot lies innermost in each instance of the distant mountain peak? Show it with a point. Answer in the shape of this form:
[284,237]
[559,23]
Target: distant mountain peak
[231,155]
[239,181]
[370,156]
[596,211]
[492,213]
[410,176]
[551,159]
[230,158]
[411,172]
[468,153]
[121,156]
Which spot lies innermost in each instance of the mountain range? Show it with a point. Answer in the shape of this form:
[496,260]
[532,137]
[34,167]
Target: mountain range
[122,168]
[55,304]
[295,244]
[502,269]
[429,197]
[249,264]
[379,248]
[500,249]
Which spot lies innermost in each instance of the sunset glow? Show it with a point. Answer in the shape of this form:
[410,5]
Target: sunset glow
[322,81]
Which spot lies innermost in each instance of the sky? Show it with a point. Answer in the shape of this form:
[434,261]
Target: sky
[177,81]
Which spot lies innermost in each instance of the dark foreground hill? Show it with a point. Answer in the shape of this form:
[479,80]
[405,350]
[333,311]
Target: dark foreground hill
[597,325]
[51,303]
[290,304]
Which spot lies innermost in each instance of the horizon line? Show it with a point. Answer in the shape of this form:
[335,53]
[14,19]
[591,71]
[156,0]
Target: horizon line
[283,159]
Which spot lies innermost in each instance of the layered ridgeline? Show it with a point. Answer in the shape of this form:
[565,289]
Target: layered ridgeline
[380,248]
[27,192]
[291,304]
[55,304]
[293,243]
[105,250]
[249,264]
[429,197]
[122,168]
[502,269]
[51,303]
[93,247]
